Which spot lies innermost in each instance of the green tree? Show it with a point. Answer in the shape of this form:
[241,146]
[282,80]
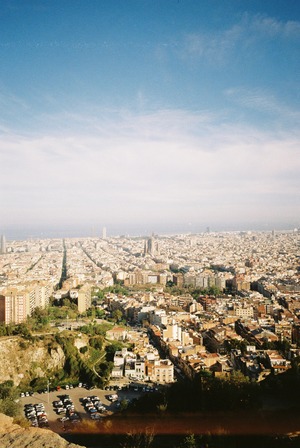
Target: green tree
[23,330]
[100,314]
[214,291]
[6,389]
[100,294]
[123,404]
[10,407]
[139,439]
[72,366]
[117,315]
[83,350]
[96,342]
[3,331]
[230,344]
[39,383]
[237,378]
[101,329]
[111,350]
[105,369]
[39,318]
[189,442]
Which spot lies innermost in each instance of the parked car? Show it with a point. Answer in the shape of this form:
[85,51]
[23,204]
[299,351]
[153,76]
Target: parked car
[74,416]
[29,407]
[57,404]
[96,416]
[101,408]
[89,406]
[44,424]
[63,419]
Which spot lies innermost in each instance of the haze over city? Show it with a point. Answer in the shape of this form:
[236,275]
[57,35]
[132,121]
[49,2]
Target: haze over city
[141,116]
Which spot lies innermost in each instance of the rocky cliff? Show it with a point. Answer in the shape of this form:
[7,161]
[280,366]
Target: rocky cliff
[14,436]
[21,359]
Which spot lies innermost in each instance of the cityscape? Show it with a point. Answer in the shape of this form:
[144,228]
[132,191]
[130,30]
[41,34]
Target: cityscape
[149,225]
[217,303]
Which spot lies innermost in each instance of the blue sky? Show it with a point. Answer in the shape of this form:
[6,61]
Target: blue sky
[149,115]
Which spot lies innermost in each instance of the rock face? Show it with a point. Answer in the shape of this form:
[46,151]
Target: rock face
[13,436]
[25,360]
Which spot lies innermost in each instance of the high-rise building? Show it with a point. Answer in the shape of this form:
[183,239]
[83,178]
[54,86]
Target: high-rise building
[151,247]
[14,306]
[17,303]
[3,245]
[104,233]
[84,299]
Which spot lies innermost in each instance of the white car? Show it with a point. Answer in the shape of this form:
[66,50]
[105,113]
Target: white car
[63,419]
[101,408]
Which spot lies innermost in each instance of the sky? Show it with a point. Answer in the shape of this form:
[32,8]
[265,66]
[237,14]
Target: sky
[149,115]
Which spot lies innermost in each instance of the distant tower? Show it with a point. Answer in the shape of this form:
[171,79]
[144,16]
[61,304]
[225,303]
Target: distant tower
[151,247]
[3,245]
[148,247]
[207,229]
[104,233]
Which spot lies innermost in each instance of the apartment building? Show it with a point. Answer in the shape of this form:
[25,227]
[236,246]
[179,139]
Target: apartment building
[162,371]
[17,303]
[14,306]
[84,299]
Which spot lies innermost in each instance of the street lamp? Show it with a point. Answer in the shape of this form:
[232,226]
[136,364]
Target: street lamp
[48,388]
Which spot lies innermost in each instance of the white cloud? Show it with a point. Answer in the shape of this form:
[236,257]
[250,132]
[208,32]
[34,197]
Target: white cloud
[218,46]
[148,167]
[263,101]
[269,26]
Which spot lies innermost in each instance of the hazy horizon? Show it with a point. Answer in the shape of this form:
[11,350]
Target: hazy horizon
[149,116]
[19,234]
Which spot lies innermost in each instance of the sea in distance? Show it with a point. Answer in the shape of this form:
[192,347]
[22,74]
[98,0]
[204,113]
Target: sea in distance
[20,233]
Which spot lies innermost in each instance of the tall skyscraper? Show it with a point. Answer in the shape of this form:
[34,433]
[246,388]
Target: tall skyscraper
[3,245]
[104,233]
[151,247]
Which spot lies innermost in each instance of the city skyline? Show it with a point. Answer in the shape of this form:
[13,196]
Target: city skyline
[138,116]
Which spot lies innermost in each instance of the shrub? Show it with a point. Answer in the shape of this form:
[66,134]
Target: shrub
[83,350]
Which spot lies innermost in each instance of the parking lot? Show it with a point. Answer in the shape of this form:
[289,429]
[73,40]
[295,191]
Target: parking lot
[79,407]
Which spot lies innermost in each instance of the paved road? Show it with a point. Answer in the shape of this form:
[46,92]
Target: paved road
[75,395]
